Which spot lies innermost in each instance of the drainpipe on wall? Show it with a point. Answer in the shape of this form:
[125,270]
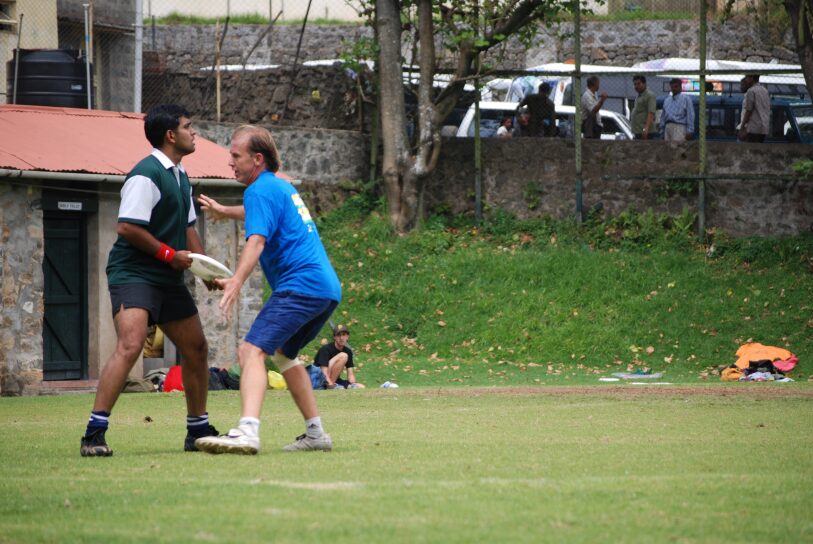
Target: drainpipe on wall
[17,60]
[87,57]
[139,47]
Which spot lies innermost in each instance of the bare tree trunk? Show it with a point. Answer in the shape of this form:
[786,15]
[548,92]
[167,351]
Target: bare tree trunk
[405,169]
[801,22]
[393,116]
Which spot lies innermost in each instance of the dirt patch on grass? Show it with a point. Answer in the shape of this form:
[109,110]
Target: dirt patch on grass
[753,390]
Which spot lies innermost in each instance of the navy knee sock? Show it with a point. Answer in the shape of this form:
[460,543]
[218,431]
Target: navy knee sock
[98,421]
[198,426]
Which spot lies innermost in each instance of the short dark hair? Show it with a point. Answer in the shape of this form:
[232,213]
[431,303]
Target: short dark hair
[639,77]
[755,77]
[160,119]
[592,80]
[676,80]
[544,88]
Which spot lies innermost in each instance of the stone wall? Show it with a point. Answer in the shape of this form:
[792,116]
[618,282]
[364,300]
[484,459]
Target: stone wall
[311,155]
[627,42]
[324,96]
[753,195]
[21,288]
[188,49]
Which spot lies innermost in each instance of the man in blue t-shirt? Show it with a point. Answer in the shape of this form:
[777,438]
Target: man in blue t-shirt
[281,235]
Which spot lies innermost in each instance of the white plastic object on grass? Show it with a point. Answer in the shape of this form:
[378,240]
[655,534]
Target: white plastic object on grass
[389,385]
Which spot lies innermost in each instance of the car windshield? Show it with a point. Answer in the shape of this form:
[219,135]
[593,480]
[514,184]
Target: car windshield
[489,122]
[804,118]
[621,120]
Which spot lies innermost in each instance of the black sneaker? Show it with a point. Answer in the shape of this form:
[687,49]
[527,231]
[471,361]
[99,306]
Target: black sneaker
[95,445]
[189,442]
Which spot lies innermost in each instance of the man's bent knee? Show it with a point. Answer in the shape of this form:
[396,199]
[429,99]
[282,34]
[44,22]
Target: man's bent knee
[285,364]
[340,358]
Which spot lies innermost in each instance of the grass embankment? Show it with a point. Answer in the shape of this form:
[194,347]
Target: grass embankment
[544,302]
[412,465]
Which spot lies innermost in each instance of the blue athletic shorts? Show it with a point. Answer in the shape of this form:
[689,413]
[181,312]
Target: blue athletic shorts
[288,321]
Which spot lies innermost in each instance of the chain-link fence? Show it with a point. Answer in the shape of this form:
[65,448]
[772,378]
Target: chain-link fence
[274,62]
[177,36]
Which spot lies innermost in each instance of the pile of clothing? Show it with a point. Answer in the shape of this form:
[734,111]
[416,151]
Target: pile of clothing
[758,363]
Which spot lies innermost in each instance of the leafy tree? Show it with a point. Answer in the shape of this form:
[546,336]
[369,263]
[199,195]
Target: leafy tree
[801,24]
[777,16]
[465,29]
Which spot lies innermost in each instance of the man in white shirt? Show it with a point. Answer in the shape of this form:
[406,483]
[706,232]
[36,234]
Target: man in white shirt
[591,104]
[756,111]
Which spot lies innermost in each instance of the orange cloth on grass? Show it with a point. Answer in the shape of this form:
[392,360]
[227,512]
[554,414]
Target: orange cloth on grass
[731,374]
[757,352]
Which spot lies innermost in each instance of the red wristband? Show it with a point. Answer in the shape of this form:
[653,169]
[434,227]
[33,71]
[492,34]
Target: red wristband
[165,253]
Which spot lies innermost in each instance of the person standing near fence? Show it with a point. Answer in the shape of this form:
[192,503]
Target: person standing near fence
[756,111]
[591,104]
[677,117]
[643,113]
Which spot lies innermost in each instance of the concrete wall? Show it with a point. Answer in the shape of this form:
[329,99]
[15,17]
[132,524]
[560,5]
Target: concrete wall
[536,177]
[224,240]
[109,13]
[39,31]
[21,288]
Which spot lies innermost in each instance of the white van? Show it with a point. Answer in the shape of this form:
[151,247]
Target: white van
[616,126]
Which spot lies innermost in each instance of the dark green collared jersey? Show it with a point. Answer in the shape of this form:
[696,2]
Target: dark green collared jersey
[152,198]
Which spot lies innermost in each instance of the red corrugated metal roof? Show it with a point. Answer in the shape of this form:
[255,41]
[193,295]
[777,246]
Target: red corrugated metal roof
[90,141]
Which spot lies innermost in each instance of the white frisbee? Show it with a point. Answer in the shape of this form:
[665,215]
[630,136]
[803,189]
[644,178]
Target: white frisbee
[207,268]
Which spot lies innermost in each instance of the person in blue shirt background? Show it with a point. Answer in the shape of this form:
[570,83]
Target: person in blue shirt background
[281,235]
[677,117]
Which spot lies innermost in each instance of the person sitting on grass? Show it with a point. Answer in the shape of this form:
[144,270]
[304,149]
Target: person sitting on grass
[334,357]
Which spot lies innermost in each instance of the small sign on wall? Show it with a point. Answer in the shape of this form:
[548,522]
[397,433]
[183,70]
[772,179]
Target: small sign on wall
[69,206]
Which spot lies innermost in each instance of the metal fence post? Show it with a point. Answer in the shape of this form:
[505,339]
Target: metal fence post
[701,119]
[139,48]
[577,98]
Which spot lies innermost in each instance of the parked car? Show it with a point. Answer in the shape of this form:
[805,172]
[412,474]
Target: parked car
[791,120]
[616,126]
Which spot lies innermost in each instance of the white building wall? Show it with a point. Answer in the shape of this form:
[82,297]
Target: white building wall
[39,31]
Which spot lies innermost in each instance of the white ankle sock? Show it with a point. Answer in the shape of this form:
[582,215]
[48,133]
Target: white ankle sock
[313,427]
[250,426]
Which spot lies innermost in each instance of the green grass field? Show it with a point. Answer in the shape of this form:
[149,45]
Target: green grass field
[543,302]
[424,465]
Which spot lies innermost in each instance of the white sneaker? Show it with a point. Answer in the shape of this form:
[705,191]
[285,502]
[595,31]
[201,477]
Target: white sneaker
[235,442]
[304,442]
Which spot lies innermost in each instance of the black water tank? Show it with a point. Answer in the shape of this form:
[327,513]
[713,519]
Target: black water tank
[49,77]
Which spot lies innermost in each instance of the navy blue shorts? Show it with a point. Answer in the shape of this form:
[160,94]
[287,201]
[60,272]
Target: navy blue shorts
[163,303]
[288,321]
